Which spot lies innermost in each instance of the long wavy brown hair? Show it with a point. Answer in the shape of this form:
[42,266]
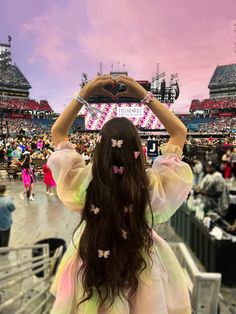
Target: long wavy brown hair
[120,226]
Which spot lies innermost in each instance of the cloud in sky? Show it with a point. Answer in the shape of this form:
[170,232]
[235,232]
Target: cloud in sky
[66,38]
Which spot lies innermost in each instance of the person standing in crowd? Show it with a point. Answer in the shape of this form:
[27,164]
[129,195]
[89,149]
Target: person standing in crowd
[28,177]
[117,263]
[144,148]
[197,171]
[210,155]
[9,154]
[187,146]
[22,146]
[33,145]
[40,144]
[47,153]
[226,164]
[48,179]
[6,208]
[231,214]
[17,153]
[214,191]
[2,154]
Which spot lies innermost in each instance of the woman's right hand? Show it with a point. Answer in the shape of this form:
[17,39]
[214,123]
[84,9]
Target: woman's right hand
[134,89]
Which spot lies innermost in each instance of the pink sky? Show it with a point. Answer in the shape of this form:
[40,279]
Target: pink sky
[55,41]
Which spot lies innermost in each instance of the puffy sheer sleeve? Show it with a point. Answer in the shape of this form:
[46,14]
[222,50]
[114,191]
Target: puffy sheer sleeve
[170,181]
[71,174]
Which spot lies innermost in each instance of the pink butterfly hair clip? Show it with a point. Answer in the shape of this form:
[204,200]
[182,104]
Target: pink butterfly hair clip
[104,254]
[118,170]
[136,154]
[116,143]
[95,210]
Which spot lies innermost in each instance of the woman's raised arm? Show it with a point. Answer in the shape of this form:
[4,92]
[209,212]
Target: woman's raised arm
[173,125]
[61,127]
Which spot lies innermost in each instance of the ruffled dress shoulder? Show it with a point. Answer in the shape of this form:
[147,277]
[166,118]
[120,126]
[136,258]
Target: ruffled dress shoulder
[162,287]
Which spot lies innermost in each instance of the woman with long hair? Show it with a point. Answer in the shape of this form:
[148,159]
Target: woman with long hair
[28,177]
[116,263]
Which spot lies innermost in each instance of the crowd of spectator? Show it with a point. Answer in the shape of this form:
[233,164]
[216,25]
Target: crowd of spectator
[224,75]
[218,125]
[22,135]
[27,137]
[13,76]
[209,104]
[19,126]
[200,153]
[24,104]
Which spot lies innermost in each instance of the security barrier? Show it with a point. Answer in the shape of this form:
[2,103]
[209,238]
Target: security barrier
[21,291]
[215,255]
[204,287]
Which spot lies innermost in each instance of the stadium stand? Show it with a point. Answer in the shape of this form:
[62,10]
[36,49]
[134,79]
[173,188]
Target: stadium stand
[207,104]
[224,75]
[17,110]
[15,125]
[220,124]
[13,77]
[24,104]
[223,82]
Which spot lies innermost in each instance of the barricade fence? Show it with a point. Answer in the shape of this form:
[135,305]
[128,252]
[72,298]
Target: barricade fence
[204,287]
[21,291]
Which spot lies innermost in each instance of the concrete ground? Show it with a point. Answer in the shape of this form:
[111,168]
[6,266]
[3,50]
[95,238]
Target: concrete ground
[46,217]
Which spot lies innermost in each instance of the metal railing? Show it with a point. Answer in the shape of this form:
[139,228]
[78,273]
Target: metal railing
[22,292]
[25,279]
[204,287]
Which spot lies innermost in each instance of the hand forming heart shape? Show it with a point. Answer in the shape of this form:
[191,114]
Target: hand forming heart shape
[122,86]
[115,89]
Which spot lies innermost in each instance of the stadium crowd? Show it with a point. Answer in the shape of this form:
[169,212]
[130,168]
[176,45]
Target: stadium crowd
[224,75]
[12,149]
[202,154]
[209,104]
[19,126]
[218,125]
[12,75]
[24,104]
[22,135]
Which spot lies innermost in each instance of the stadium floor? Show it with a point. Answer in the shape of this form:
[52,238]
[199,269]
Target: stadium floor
[46,217]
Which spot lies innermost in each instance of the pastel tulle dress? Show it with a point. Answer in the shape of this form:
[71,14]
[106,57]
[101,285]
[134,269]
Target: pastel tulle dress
[162,287]
[48,178]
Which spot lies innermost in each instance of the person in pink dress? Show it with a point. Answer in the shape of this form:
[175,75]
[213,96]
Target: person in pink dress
[116,262]
[28,177]
[144,148]
[40,144]
[48,179]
